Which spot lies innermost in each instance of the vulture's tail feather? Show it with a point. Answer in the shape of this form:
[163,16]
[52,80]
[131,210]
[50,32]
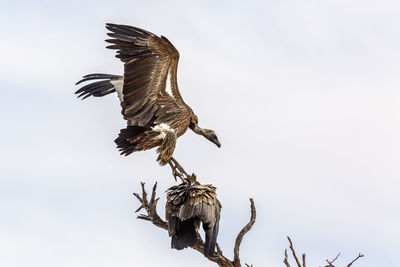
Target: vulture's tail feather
[123,144]
[186,235]
[100,87]
[211,238]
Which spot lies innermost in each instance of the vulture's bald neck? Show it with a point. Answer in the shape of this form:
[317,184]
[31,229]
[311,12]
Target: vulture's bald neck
[198,130]
[209,134]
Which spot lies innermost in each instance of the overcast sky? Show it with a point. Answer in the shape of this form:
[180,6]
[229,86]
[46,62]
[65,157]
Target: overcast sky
[304,97]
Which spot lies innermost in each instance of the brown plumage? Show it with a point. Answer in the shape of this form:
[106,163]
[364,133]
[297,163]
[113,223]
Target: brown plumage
[188,205]
[148,91]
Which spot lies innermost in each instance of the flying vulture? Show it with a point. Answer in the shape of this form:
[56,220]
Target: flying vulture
[148,92]
[188,205]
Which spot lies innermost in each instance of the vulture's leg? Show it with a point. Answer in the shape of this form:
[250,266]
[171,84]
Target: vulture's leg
[177,165]
[177,170]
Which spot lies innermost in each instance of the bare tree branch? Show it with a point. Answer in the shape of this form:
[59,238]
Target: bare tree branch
[294,252]
[244,231]
[152,216]
[150,207]
[285,260]
[330,263]
[303,258]
[359,256]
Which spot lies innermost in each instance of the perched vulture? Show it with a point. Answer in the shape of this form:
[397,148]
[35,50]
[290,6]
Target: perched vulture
[148,91]
[188,205]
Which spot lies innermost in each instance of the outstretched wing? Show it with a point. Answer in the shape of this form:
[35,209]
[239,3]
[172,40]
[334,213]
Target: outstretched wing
[150,70]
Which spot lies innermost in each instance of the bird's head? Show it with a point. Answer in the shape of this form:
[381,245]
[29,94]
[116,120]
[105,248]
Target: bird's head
[209,134]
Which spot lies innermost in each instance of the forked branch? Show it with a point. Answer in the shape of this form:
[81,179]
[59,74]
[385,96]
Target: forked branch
[359,256]
[150,207]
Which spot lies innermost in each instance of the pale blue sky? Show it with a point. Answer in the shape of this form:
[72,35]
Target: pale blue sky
[303,96]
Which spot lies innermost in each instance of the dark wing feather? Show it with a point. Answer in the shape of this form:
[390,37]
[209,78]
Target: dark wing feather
[186,235]
[186,203]
[101,87]
[211,231]
[149,61]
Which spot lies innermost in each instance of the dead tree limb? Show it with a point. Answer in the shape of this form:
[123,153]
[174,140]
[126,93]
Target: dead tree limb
[359,256]
[286,259]
[151,209]
[330,263]
[294,253]
[303,263]
[244,231]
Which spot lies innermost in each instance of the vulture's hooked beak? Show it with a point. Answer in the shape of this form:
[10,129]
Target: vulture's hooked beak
[214,139]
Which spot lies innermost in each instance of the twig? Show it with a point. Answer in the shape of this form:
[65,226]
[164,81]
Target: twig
[294,252]
[244,231]
[330,263]
[359,256]
[285,260]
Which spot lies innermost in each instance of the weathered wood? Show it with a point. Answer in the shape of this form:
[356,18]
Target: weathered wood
[244,231]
